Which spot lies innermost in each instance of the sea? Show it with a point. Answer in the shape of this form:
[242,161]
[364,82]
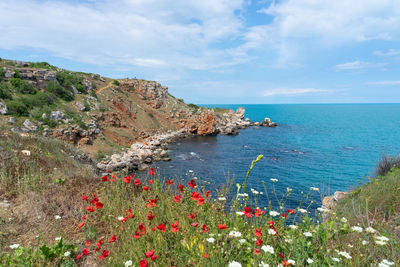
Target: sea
[334,147]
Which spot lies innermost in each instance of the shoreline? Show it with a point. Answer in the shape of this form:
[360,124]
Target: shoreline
[154,148]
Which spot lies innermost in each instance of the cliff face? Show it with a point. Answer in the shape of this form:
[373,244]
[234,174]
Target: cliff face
[103,116]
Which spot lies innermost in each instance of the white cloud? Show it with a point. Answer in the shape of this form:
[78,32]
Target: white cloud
[157,34]
[388,53]
[292,91]
[384,83]
[309,24]
[357,65]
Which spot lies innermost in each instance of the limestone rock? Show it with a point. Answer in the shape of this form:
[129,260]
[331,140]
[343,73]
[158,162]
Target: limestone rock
[57,115]
[3,107]
[30,126]
[11,120]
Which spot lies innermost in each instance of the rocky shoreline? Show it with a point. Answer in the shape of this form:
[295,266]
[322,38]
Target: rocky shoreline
[154,148]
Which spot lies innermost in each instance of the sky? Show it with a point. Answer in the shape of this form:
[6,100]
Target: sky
[219,51]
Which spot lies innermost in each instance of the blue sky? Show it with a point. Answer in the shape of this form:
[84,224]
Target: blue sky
[219,51]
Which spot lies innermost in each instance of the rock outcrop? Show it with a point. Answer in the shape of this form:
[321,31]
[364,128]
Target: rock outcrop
[3,108]
[38,77]
[329,202]
[154,93]
[140,154]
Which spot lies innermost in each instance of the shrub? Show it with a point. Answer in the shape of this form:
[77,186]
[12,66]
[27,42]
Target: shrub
[2,74]
[39,99]
[386,164]
[56,89]
[41,65]
[67,80]
[181,100]
[17,107]
[22,86]
[5,90]
[116,82]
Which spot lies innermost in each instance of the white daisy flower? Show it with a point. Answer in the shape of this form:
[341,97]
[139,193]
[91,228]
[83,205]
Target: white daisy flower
[14,246]
[58,238]
[274,180]
[67,254]
[268,248]
[273,213]
[365,242]
[309,261]
[345,254]
[314,188]
[336,259]
[221,198]
[234,264]
[211,240]
[343,220]
[128,263]
[235,234]
[307,234]
[370,230]
[321,209]
[292,226]
[357,229]
[240,213]
[57,217]
[271,231]
[241,241]
[292,262]
[302,211]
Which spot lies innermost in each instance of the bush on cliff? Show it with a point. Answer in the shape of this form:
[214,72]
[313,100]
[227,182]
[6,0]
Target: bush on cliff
[5,90]
[22,86]
[58,90]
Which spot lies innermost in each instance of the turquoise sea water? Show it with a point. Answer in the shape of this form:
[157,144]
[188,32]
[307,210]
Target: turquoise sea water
[332,146]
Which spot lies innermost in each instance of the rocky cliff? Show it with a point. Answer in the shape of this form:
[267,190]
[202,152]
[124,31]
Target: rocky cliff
[124,123]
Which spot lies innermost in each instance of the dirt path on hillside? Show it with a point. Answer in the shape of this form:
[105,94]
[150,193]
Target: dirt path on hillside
[102,88]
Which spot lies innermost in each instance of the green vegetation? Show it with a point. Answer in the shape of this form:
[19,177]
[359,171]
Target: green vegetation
[67,80]
[41,65]
[181,100]
[5,90]
[116,82]
[182,223]
[22,86]
[60,91]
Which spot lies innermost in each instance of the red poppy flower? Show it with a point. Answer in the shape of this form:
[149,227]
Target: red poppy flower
[127,179]
[108,171]
[258,232]
[150,216]
[101,241]
[85,198]
[85,251]
[258,212]
[151,172]
[136,182]
[124,219]
[94,200]
[136,235]
[153,229]
[284,215]
[177,198]
[256,251]
[206,255]
[290,211]
[180,188]
[142,229]
[154,257]
[99,205]
[281,255]
[112,239]
[87,243]
[81,225]
[192,184]
[195,224]
[151,181]
[259,242]
[79,256]
[104,254]
[271,223]
[145,188]
[161,227]
[104,178]
[174,227]
[169,182]
[192,215]
[208,193]
[285,263]
[143,263]
[247,212]
[205,228]
[84,217]
[90,208]
[150,253]
[222,226]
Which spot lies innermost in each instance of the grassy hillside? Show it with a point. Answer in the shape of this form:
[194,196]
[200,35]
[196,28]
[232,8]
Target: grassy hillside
[116,219]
